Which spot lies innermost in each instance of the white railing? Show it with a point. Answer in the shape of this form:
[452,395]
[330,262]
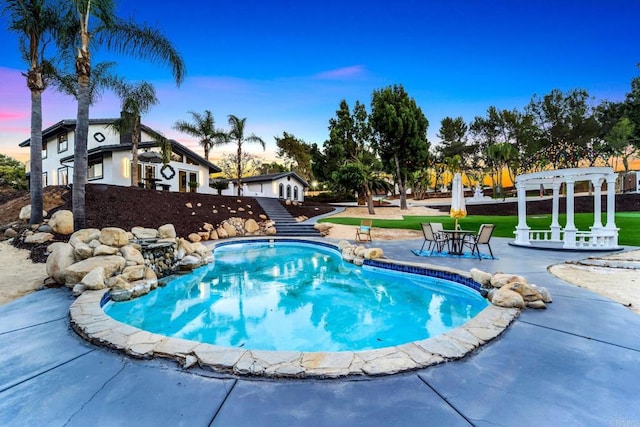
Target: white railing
[541,236]
[584,239]
[587,239]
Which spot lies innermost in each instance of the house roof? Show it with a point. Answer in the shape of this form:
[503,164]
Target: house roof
[273,176]
[175,145]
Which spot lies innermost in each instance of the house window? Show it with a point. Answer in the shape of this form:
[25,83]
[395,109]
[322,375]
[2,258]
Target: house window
[44,150]
[295,192]
[288,191]
[63,145]
[94,168]
[45,180]
[63,175]
[281,191]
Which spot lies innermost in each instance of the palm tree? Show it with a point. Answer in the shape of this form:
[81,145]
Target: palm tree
[236,134]
[136,99]
[123,37]
[203,127]
[35,22]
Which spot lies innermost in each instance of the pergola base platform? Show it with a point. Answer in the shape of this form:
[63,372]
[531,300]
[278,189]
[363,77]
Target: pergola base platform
[559,246]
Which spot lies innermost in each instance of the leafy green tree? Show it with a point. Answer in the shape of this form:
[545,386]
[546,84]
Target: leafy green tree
[632,108]
[357,177]
[273,167]
[453,136]
[136,99]
[203,127]
[619,141]
[566,124]
[237,135]
[36,23]
[349,140]
[12,173]
[296,153]
[400,134]
[248,165]
[118,35]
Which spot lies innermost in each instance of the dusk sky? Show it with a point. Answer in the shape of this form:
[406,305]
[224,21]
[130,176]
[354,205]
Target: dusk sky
[286,65]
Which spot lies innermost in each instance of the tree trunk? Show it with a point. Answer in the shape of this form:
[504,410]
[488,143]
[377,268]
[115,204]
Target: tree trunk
[239,171]
[206,151]
[34,81]
[135,136]
[80,160]
[369,196]
[401,190]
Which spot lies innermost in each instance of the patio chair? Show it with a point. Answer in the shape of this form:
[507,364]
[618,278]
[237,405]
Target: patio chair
[436,240]
[482,238]
[363,233]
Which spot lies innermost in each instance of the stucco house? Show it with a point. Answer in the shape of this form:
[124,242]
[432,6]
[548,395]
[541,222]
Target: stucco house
[109,158]
[284,185]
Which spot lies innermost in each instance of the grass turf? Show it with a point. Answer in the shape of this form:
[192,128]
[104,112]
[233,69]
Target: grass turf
[627,222]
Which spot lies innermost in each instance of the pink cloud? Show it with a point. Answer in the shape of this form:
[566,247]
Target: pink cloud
[341,73]
[12,115]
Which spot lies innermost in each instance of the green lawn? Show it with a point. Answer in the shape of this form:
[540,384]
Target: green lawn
[627,222]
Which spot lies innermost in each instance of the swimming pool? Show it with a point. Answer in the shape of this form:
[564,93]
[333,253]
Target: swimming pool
[297,296]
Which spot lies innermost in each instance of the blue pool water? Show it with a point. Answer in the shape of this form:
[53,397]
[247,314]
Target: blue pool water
[300,297]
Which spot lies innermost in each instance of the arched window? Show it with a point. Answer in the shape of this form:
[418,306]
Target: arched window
[295,192]
[288,191]
[281,191]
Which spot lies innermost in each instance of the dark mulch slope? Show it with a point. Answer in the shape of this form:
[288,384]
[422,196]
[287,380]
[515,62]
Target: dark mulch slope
[127,207]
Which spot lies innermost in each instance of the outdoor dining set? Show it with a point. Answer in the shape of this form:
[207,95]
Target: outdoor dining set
[453,242]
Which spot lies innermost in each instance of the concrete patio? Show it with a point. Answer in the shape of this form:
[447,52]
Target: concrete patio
[576,363]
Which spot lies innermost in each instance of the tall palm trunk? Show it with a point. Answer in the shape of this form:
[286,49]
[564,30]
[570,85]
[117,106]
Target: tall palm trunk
[36,85]
[80,163]
[239,172]
[135,141]
[369,196]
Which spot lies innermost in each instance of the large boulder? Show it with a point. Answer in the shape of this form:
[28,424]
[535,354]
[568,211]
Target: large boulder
[132,255]
[94,279]
[112,264]
[144,233]
[37,238]
[105,250]
[167,231]
[498,280]
[83,251]
[86,235]
[62,222]
[25,213]
[507,298]
[480,276]
[251,226]
[230,229]
[60,257]
[114,236]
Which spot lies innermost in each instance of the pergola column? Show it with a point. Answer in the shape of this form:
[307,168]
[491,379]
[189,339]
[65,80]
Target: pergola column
[555,224]
[570,227]
[611,202]
[597,205]
[522,230]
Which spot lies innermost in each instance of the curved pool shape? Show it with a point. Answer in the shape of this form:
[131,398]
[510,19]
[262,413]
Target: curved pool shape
[294,296]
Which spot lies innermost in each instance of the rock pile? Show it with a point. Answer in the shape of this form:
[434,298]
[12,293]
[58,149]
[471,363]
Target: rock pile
[357,254]
[511,291]
[234,227]
[113,258]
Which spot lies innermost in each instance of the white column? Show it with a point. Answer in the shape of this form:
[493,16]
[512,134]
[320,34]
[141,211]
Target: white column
[522,229]
[597,205]
[611,209]
[555,225]
[570,227]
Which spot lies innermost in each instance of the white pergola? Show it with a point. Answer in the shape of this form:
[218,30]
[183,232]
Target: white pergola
[599,237]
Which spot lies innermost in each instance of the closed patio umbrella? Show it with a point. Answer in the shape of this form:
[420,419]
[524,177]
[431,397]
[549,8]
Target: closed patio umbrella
[150,157]
[458,208]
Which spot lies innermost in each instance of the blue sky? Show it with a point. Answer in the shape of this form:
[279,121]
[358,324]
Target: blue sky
[286,65]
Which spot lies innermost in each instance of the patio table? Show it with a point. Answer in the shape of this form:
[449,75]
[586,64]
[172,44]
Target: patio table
[456,240]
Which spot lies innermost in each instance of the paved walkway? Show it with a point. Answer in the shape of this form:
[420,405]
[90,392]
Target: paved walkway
[576,363]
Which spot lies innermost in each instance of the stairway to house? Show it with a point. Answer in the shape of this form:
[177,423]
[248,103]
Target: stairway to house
[286,225]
